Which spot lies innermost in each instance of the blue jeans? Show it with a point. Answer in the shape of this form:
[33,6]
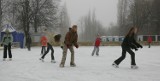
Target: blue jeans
[95,49]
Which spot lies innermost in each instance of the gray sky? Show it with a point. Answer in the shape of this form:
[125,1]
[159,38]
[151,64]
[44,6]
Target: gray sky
[106,10]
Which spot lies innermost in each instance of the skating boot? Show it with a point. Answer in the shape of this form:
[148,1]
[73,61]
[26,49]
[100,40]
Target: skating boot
[53,61]
[61,65]
[72,64]
[134,67]
[10,59]
[115,65]
[41,59]
[4,59]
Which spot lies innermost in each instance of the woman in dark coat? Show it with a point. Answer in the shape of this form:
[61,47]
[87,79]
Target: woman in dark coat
[128,44]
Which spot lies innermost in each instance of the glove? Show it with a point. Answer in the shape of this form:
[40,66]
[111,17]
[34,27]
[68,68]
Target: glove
[62,47]
[76,46]
[136,49]
[141,46]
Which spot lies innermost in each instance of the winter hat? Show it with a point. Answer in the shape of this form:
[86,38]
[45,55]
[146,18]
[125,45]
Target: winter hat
[57,37]
[70,28]
[74,26]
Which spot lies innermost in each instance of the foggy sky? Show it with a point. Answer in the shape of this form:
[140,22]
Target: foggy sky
[106,10]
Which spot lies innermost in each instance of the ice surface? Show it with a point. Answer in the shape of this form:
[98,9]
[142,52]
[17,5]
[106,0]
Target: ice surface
[26,65]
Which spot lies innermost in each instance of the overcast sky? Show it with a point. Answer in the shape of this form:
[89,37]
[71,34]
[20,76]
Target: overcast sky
[106,10]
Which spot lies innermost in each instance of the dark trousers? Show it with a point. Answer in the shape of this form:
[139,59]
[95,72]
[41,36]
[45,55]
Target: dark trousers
[43,50]
[49,47]
[149,45]
[7,47]
[120,59]
[29,47]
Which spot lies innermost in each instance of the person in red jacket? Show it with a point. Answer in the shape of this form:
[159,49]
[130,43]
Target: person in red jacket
[96,45]
[149,41]
[44,44]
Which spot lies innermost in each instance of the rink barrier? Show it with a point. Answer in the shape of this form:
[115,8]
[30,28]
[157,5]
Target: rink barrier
[102,44]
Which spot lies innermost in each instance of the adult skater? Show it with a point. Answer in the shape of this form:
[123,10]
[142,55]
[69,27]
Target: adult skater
[44,44]
[70,40]
[6,42]
[96,45]
[28,41]
[49,47]
[128,44]
[149,41]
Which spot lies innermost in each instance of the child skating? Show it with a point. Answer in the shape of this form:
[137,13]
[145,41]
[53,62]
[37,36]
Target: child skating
[44,44]
[96,45]
[128,44]
[49,47]
[149,41]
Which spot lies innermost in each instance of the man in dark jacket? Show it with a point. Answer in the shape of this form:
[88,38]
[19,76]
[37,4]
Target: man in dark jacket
[70,40]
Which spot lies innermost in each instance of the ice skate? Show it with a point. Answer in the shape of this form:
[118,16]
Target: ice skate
[41,59]
[61,65]
[134,67]
[10,59]
[4,59]
[53,61]
[97,54]
[115,65]
[72,64]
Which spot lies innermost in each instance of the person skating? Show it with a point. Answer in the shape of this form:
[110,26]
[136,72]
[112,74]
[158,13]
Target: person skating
[28,41]
[49,47]
[128,44]
[70,41]
[149,41]
[96,45]
[44,44]
[7,42]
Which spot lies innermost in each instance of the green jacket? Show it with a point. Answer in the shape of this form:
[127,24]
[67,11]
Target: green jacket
[7,38]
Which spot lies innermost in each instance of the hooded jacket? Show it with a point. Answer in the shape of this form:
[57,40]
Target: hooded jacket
[7,39]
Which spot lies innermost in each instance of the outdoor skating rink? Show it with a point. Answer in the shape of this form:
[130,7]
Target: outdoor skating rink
[26,65]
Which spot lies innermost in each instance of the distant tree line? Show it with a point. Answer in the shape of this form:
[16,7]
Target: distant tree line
[89,27]
[143,14]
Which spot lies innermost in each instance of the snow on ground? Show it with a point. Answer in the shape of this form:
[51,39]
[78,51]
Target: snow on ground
[27,67]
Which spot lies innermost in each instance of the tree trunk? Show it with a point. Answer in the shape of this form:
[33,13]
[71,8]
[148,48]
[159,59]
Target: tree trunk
[0,15]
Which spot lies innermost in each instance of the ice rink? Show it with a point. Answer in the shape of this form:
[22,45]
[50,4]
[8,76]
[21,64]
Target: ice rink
[26,65]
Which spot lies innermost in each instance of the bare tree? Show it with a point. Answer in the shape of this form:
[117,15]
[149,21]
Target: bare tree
[90,27]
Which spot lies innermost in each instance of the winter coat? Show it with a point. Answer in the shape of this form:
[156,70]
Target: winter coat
[7,39]
[71,38]
[149,39]
[28,39]
[130,42]
[44,41]
[97,42]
